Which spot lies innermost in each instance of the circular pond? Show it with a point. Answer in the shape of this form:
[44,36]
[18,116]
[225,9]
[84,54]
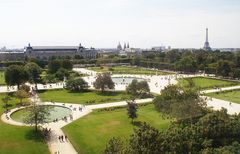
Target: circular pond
[125,80]
[56,112]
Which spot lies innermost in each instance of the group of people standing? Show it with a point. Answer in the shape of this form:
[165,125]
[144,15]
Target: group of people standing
[62,138]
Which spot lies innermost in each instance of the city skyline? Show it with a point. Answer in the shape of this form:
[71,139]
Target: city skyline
[103,24]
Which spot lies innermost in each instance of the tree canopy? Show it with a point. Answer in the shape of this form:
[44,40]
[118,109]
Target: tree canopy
[215,132]
[37,114]
[132,110]
[104,81]
[34,72]
[76,84]
[16,75]
[138,89]
[180,103]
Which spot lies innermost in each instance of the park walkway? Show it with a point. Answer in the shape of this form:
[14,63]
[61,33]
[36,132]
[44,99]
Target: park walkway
[55,146]
[220,89]
[156,83]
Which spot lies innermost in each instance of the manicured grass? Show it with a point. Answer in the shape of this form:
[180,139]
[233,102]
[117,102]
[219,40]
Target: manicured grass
[128,70]
[90,134]
[19,140]
[2,78]
[208,83]
[232,96]
[92,97]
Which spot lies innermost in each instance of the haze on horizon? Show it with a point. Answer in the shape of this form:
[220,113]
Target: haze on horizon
[102,24]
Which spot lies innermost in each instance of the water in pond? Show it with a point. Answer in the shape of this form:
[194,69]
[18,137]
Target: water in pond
[125,80]
[56,112]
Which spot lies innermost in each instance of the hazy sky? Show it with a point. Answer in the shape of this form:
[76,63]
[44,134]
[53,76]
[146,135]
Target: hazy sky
[103,23]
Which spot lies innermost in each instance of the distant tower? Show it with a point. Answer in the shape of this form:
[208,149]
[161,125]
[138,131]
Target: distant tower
[125,46]
[206,44]
[119,47]
[128,45]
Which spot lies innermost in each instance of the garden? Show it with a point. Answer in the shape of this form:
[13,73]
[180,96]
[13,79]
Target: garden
[87,97]
[231,96]
[129,70]
[207,83]
[15,139]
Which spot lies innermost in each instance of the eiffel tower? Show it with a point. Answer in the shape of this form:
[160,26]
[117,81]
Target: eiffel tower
[206,44]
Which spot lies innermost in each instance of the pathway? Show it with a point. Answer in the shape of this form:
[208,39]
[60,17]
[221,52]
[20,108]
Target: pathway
[66,147]
[220,89]
[156,83]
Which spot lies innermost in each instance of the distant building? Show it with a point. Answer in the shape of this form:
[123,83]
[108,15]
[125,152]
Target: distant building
[161,48]
[206,44]
[45,52]
[127,50]
[11,56]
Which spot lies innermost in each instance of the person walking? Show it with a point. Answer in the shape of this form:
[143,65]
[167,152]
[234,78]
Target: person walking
[62,138]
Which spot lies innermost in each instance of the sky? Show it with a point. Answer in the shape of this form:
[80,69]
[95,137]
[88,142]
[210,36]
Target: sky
[104,23]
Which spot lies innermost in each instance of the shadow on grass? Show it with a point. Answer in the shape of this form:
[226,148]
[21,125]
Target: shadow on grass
[41,91]
[8,105]
[33,135]
[137,123]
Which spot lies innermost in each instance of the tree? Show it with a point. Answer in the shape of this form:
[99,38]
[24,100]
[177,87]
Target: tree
[37,114]
[186,64]
[132,110]
[5,100]
[24,87]
[114,146]
[21,94]
[54,66]
[133,88]
[34,72]
[145,140]
[76,84]
[138,89]
[66,64]
[61,74]
[224,68]
[180,103]
[16,75]
[104,81]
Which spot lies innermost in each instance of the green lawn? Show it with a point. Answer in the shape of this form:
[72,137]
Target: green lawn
[232,96]
[2,78]
[90,134]
[19,140]
[92,97]
[208,83]
[128,70]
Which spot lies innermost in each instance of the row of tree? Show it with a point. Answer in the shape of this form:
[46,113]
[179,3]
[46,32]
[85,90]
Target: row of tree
[31,72]
[20,74]
[226,64]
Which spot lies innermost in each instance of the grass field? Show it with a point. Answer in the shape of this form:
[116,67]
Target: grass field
[90,134]
[19,140]
[232,96]
[2,79]
[128,70]
[91,97]
[208,83]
